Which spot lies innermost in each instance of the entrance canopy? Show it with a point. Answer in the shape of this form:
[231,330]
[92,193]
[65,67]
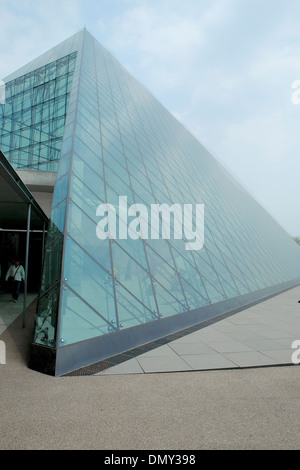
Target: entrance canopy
[15,198]
[19,211]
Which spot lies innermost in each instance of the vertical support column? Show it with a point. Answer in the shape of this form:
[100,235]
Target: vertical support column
[26,264]
[43,245]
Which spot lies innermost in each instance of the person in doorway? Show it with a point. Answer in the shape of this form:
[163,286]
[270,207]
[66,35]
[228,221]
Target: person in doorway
[17,274]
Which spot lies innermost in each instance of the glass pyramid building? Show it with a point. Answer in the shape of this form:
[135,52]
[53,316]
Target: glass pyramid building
[77,111]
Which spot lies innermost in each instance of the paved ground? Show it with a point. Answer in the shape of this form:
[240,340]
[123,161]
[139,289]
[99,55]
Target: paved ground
[256,408]
[258,336]
[9,310]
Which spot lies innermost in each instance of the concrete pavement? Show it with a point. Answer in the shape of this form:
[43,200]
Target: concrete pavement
[256,408]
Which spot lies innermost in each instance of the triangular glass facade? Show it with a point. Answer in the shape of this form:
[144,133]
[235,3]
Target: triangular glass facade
[101,297]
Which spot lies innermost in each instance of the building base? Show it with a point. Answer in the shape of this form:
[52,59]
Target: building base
[70,358]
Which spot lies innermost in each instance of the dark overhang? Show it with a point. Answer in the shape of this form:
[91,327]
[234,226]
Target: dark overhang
[15,199]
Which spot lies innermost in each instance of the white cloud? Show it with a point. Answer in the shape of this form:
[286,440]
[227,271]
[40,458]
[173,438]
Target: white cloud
[31,27]
[164,40]
[224,67]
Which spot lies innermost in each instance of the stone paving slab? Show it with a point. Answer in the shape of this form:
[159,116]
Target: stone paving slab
[261,335]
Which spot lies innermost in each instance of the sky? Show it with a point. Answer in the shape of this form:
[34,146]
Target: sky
[225,68]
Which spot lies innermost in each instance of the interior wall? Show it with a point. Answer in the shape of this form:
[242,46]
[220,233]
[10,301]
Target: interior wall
[44,199]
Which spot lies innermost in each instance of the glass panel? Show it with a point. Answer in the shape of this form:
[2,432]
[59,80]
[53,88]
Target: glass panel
[92,179]
[87,200]
[95,286]
[89,156]
[165,275]
[79,322]
[213,294]
[52,263]
[36,108]
[113,198]
[118,169]
[194,298]
[82,229]
[46,318]
[167,304]
[92,141]
[133,277]
[130,311]
[58,216]
[61,189]
[188,272]
[116,183]
[127,144]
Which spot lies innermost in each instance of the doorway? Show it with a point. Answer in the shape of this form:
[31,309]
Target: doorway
[13,247]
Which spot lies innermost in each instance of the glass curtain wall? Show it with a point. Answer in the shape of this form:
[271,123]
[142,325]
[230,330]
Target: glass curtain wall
[120,141]
[33,117]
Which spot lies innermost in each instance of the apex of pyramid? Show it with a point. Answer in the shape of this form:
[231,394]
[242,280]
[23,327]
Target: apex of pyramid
[72,44]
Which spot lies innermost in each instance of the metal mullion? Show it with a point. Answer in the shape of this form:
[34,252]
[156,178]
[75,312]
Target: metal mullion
[177,272]
[80,179]
[223,262]
[228,269]
[87,215]
[47,291]
[58,324]
[105,189]
[178,301]
[193,267]
[26,264]
[139,301]
[90,306]
[233,261]
[138,147]
[128,254]
[133,193]
[162,176]
[89,254]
